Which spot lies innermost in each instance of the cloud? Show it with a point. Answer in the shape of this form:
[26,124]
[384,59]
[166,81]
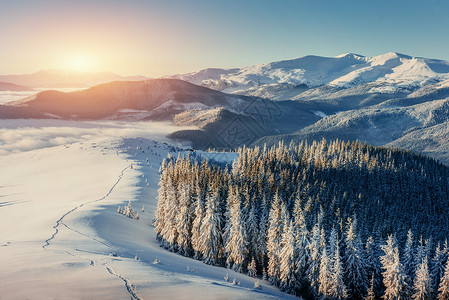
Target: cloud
[25,135]
[7,96]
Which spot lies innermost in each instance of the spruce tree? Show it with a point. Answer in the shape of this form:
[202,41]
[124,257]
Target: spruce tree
[423,282]
[252,269]
[394,278]
[196,226]
[252,231]
[338,287]
[325,276]
[315,251]
[211,246]
[170,231]
[236,247]
[302,248]
[160,213]
[274,236]
[409,256]
[287,260]
[370,294]
[373,263]
[261,245]
[443,289]
[437,267]
[355,265]
[184,219]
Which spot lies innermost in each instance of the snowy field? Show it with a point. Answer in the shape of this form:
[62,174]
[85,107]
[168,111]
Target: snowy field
[61,235]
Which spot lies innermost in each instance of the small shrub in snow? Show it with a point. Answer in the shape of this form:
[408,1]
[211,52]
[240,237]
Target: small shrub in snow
[257,285]
[252,270]
[226,278]
[128,211]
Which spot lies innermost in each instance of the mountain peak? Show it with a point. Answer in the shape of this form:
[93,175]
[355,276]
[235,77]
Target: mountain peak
[392,55]
[349,55]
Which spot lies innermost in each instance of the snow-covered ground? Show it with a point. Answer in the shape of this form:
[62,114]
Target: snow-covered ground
[61,236]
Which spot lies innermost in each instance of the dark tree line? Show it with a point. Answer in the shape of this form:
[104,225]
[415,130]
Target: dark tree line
[329,220]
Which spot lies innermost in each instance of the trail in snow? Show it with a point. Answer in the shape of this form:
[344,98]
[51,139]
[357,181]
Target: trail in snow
[128,284]
[59,221]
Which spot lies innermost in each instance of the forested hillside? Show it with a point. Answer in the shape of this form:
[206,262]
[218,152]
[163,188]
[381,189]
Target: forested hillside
[330,219]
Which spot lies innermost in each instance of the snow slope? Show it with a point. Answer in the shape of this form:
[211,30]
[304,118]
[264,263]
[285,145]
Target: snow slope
[62,237]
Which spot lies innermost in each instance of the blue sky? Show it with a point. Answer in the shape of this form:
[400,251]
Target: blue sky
[165,37]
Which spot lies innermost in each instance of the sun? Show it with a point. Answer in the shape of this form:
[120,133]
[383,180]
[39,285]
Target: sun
[79,62]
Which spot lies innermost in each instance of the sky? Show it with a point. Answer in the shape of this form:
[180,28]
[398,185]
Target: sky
[157,38]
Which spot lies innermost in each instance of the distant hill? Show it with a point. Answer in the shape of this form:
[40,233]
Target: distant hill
[6,86]
[223,120]
[108,99]
[65,79]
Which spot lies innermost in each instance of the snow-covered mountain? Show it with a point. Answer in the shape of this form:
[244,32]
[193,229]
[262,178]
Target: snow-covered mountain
[288,79]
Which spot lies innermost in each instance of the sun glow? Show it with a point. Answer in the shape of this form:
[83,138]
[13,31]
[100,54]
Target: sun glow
[79,63]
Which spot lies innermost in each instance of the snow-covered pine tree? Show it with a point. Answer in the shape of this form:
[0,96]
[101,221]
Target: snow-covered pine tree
[373,263]
[423,282]
[261,245]
[274,236]
[325,278]
[420,252]
[332,246]
[394,277]
[437,266]
[370,294]
[313,271]
[445,251]
[443,289]
[355,265]
[252,268]
[338,287]
[409,257]
[196,225]
[169,231]
[184,219]
[287,259]
[160,215]
[251,230]
[302,244]
[236,247]
[211,246]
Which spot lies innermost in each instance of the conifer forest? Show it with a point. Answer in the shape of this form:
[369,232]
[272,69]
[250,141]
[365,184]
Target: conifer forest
[325,220]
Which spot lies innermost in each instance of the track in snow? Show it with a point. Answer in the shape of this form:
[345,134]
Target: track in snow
[60,220]
[128,284]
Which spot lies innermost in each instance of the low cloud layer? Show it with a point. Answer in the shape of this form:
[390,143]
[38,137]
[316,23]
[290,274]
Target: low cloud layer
[7,96]
[25,135]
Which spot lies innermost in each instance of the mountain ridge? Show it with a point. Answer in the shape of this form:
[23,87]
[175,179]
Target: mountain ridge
[392,69]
